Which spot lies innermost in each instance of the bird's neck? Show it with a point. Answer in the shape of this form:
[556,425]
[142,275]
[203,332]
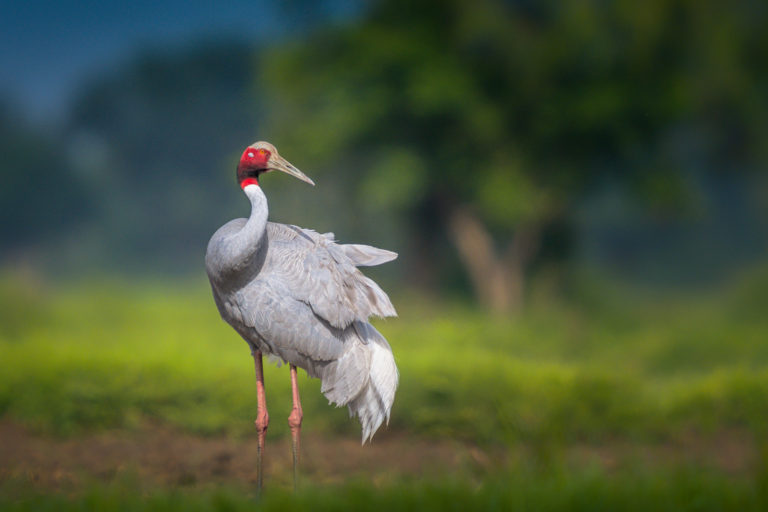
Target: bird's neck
[234,256]
[247,247]
[257,222]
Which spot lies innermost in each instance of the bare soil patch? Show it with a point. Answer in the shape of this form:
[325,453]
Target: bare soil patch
[158,455]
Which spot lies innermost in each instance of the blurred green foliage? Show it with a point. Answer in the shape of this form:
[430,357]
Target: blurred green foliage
[519,114]
[518,110]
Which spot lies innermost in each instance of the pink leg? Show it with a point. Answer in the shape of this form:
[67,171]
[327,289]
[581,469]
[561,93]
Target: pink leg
[294,421]
[262,417]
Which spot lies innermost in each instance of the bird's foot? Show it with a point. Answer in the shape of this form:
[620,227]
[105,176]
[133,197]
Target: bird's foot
[294,422]
[262,422]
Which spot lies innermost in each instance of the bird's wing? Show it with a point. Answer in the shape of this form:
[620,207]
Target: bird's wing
[323,274]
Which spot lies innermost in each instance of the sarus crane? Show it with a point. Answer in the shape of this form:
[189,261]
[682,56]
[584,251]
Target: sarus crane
[297,296]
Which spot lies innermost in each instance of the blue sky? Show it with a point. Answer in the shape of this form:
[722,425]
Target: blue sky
[50,47]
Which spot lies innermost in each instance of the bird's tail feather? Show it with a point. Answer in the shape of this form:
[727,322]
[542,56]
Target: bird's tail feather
[364,379]
[344,378]
[373,404]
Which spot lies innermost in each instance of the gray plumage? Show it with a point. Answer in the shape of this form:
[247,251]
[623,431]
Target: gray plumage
[297,295]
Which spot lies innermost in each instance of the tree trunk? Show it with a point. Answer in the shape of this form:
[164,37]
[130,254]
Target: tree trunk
[498,280]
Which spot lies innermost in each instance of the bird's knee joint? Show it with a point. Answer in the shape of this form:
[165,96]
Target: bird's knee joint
[262,422]
[294,419]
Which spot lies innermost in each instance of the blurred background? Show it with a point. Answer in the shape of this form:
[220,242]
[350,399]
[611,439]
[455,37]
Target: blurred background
[577,191]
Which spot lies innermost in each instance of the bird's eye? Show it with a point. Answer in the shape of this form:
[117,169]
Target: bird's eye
[261,152]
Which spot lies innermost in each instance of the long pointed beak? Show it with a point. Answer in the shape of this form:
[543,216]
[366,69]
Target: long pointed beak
[281,164]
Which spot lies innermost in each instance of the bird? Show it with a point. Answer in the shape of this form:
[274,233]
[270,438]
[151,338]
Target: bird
[297,296]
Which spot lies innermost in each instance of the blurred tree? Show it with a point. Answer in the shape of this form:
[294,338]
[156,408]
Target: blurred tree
[488,120]
[156,138]
[41,197]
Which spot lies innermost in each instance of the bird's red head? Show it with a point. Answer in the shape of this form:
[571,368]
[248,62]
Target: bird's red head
[262,157]
[253,162]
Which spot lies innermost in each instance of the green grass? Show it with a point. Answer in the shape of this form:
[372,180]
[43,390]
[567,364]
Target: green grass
[681,490]
[115,354]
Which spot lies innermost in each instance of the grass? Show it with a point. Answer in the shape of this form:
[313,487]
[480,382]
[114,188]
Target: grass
[109,355]
[114,354]
[681,490]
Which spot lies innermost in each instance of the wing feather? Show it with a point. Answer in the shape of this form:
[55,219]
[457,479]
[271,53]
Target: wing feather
[367,256]
[323,274]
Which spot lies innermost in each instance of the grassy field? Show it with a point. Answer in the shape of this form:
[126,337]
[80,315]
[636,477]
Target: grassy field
[679,492]
[604,370]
